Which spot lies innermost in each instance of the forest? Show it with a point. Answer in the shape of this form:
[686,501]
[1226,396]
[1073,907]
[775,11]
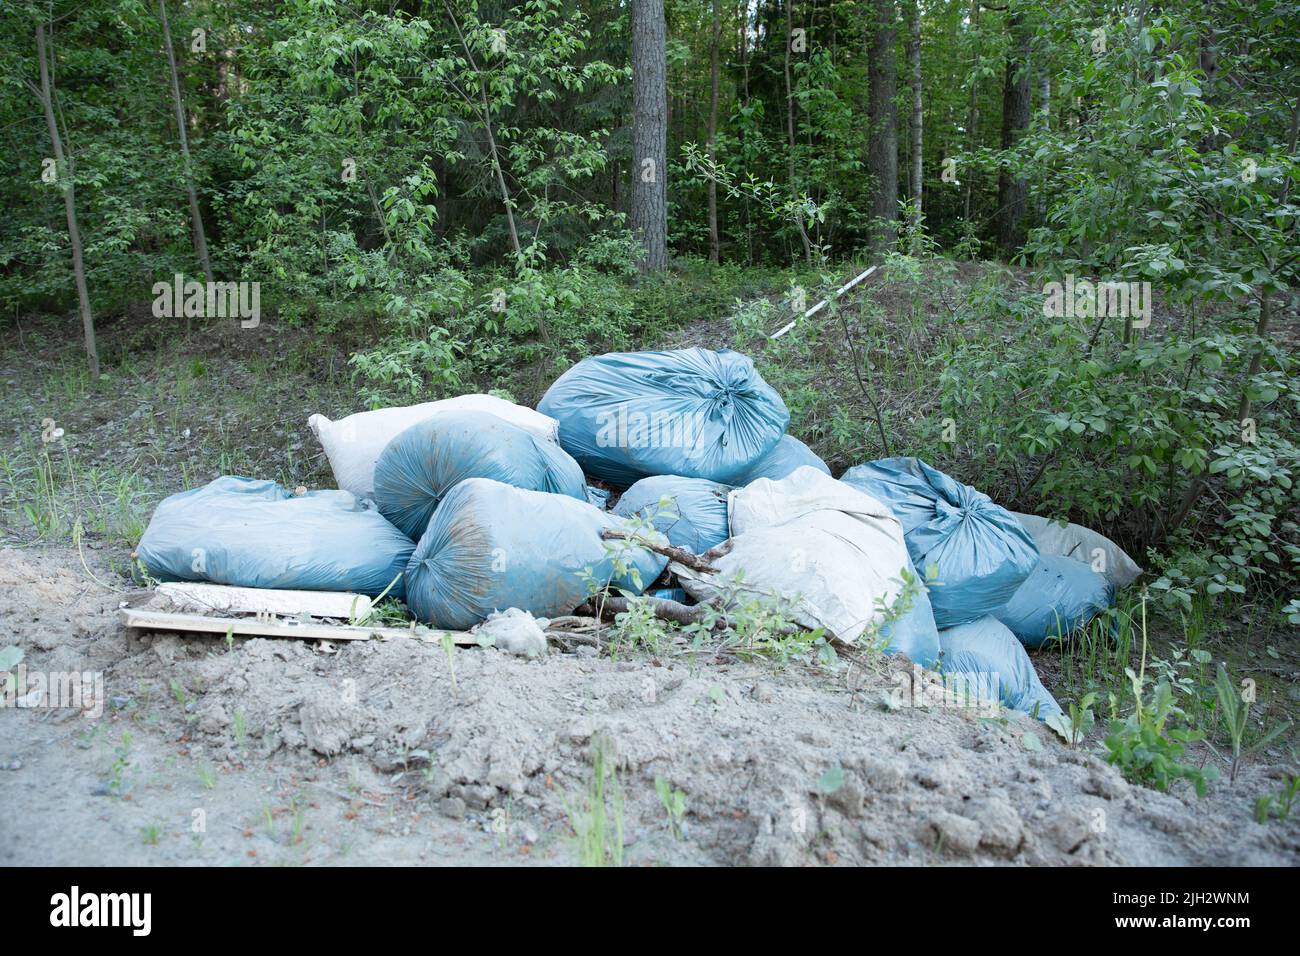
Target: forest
[1078,221]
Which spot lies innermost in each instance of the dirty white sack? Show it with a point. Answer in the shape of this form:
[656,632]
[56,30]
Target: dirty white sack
[353,444]
[832,548]
[1082,544]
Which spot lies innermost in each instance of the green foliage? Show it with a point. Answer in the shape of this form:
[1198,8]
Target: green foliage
[1234,712]
[754,625]
[1076,727]
[597,815]
[638,628]
[1277,806]
[437,189]
[674,804]
[118,781]
[1147,749]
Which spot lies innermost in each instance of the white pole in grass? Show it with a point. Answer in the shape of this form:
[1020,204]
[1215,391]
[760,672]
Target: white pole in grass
[817,308]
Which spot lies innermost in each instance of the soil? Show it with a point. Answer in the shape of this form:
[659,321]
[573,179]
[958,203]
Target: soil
[286,752]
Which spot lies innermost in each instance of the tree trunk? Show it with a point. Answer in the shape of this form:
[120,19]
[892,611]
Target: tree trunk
[196,217]
[1045,112]
[67,182]
[790,139]
[650,132]
[506,202]
[1257,359]
[712,186]
[742,15]
[493,151]
[882,136]
[1208,59]
[973,111]
[1016,107]
[917,130]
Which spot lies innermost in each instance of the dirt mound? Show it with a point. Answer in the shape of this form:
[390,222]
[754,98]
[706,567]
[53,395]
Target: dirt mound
[777,766]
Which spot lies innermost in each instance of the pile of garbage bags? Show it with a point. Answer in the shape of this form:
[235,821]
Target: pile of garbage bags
[474,505]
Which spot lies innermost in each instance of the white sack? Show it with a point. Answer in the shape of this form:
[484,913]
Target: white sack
[353,444]
[1082,544]
[836,548]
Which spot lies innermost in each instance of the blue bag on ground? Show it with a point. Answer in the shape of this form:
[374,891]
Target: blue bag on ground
[985,659]
[786,455]
[428,459]
[698,507]
[491,546]
[256,534]
[1059,596]
[691,412]
[981,551]
[915,633]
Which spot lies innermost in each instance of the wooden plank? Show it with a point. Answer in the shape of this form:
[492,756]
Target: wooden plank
[251,627]
[203,598]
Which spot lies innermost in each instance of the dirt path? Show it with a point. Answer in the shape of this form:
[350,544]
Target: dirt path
[281,752]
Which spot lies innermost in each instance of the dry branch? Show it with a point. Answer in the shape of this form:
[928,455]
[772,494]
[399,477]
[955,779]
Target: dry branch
[663,608]
[680,555]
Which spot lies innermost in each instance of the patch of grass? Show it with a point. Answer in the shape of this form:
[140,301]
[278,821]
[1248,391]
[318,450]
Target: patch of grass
[597,817]
[117,774]
[49,491]
[1149,745]
[297,820]
[1094,659]
[638,628]
[674,804]
[1234,712]
[1277,806]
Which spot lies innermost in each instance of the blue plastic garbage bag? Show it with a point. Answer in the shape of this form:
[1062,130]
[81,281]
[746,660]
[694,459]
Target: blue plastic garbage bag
[980,550]
[915,633]
[786,455]
[426,461]
[986,660]
[598,497]
[1059,596]
[256,534]
[691,412]
[696,514]
[491,546]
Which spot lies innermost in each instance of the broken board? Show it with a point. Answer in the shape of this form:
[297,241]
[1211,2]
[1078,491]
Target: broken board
[150,620]
[201,598]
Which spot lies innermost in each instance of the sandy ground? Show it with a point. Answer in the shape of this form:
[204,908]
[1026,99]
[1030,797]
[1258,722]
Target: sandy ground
[286,752]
